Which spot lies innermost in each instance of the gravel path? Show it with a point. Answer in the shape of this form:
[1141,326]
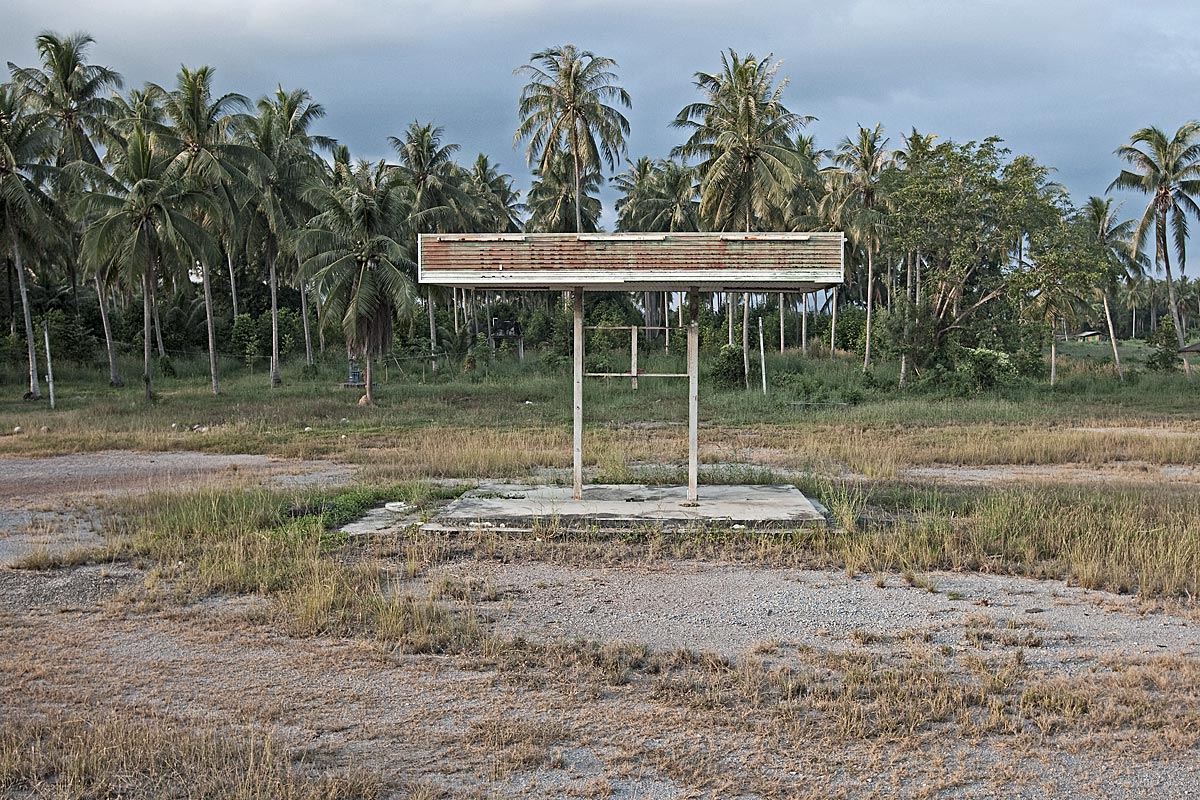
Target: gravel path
[734,609]
[110,471]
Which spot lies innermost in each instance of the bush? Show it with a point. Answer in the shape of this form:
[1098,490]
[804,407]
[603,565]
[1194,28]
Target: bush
[978,369]
[1165,357]
[728,369]
[245,339]
[70,339]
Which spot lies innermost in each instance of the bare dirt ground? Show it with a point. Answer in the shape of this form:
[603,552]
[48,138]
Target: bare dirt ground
[470,727]
[1122,472]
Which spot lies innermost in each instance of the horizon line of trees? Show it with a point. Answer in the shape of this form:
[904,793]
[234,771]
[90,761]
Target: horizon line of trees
[203,210]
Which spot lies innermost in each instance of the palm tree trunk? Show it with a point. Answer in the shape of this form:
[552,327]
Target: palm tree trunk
[308,353]
[114,375]
[232,283]
[147,313]
[276,379]
[870,303]
[158,340]
[212,330]
[369,382]
[746,337]
[433,365]
[1053,355]
[1112,337]
[1166,258]
[320,327]
[35,389]
[578,193]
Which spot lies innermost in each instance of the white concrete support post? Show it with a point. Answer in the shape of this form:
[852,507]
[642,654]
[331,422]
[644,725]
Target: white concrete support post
[633,342]
[577,296]
[781,315]
[762,356]
[693,372]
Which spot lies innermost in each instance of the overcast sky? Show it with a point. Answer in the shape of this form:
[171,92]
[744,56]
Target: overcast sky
[1065,81]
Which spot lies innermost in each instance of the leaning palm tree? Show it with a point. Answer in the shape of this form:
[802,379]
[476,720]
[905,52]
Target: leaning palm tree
[25,139]
[140,218]
[741,136]
[1168,170]
[352,254]
[859,197]
[570,104]
[1110,241]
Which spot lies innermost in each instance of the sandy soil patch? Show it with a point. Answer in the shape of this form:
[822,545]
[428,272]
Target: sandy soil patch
[733,610]
[1115,473]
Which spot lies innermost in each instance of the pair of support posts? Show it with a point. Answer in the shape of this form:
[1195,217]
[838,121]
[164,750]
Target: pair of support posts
[692,374]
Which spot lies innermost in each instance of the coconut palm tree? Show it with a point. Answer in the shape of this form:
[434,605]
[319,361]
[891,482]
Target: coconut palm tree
[741,137]
[71,96]
[438,198]
[140,217]
[199,137]
[858,199]
[553,206]
[570,104]
[496,205]
[25,140]
[1111,242]
[295,112]
[353,255]
[1168,170]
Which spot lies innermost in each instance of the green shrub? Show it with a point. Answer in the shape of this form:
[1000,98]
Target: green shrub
[728,369]
[1165,357]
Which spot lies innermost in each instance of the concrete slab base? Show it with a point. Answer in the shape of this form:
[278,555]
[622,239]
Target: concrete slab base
[518,507]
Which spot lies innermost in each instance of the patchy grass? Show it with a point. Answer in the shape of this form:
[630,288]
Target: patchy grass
[111,754]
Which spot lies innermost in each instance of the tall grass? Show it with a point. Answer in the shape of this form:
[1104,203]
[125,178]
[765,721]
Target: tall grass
[285,548]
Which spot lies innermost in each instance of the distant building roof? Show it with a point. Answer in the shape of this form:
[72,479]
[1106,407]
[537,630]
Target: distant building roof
[1194,347]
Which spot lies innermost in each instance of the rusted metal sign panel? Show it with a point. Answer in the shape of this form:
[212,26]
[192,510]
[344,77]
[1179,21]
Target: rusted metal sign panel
[790,262]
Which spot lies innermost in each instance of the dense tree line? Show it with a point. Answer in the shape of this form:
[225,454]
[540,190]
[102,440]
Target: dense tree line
[171,219]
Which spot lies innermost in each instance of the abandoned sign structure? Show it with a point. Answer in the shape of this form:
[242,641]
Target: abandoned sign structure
[674,262]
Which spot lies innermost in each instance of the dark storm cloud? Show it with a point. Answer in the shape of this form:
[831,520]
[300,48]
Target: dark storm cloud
[1065,81]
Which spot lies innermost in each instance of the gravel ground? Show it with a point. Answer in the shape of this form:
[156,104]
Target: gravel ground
[733,609]
[123,471]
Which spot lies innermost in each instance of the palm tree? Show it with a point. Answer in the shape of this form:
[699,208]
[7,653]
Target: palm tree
[70,95]
[566,107]
[199,139]
[1168,170]
[140,217]
[438,198]
[496,205]
[353,255]
[297,164]
[741,135]
[24,140]
[553,205]
[859,197]
[1111,240]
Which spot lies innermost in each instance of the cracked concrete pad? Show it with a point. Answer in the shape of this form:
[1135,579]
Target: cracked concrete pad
[519,507]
